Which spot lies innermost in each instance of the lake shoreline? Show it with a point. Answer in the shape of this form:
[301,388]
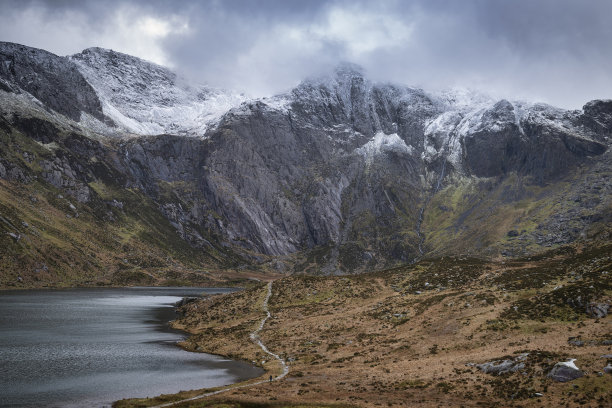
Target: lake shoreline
[394,338]
[150,311]
[192,345]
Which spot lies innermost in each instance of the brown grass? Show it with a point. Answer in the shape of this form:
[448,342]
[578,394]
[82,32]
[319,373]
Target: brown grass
[370,340]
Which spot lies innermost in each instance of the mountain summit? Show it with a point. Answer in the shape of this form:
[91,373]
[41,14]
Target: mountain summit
[145,99]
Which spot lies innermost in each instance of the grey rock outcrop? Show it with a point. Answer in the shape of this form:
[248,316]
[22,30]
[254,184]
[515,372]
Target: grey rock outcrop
[565,371]
[597,310]
[499,367]
[60,174]
[575,341]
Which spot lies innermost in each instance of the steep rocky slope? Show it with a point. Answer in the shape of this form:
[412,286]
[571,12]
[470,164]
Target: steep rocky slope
[339,174]
[69,217]
[147,99]
[54,81]
[352,169]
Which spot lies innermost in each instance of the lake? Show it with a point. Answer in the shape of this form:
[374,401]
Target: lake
[90,347]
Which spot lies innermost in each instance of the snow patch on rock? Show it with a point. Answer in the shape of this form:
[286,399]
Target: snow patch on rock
[382,143]
[280,103]
[147,99]
[463,111]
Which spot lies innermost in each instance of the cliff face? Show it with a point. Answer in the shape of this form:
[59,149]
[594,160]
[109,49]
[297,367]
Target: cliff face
[53,80]
[339,174]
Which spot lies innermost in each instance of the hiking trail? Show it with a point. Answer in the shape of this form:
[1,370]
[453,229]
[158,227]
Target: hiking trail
[254,336]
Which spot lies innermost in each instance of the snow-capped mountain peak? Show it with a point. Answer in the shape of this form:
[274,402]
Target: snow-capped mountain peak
[145,98]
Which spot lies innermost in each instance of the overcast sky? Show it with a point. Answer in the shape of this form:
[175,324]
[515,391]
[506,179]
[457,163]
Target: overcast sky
[556,51]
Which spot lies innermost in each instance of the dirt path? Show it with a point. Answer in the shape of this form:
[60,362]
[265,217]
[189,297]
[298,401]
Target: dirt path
[254,337]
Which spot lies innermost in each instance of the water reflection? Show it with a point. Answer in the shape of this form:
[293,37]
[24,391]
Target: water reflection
[89,347]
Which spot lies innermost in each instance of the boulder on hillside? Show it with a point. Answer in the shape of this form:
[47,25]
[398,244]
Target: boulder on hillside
[565,371]
[597,310]
[499,367]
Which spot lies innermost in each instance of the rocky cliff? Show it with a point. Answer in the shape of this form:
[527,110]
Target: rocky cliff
[339,174]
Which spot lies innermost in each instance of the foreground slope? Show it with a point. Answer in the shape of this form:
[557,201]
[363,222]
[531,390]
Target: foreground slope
[415,336]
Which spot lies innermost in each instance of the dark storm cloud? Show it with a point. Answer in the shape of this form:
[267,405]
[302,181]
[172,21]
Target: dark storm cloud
[553,50]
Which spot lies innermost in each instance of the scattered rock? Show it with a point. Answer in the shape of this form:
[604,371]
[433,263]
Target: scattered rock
[16,174]
[41,268]
[597,310]
[575,341]
[499,367]
[565,371]
[117,204]
[16,237]
[608,369]
[513,233]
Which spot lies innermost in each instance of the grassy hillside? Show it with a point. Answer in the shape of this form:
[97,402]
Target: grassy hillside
[516,216]
[51,236]
[411,336]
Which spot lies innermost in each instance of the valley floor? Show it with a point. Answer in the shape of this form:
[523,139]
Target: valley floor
[411,336]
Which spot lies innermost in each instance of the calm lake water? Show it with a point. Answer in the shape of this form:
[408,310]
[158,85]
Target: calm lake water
[90,347]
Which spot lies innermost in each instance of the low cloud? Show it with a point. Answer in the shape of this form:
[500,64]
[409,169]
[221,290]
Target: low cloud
[554,51]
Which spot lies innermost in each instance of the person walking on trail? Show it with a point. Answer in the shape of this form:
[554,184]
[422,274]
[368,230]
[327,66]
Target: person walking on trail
[270,378]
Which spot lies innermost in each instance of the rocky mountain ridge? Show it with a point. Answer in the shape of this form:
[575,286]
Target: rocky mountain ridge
[339,174]
[147,99]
